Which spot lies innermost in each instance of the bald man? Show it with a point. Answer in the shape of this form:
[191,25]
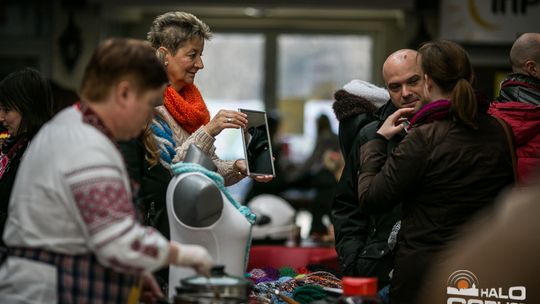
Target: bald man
[403,78]
[362,239]
[519,103]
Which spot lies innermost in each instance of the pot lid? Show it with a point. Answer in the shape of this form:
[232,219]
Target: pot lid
[217,278]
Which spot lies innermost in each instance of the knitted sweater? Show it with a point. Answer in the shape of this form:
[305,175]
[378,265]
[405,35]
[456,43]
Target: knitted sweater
[204,141]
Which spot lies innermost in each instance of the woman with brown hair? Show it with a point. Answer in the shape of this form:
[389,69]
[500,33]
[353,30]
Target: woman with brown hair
[453,163]
[26,103]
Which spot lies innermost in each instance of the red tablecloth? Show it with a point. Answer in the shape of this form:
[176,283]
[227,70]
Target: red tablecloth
[282,256]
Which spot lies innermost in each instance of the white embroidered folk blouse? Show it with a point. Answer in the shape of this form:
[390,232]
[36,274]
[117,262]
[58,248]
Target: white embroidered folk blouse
[72,196]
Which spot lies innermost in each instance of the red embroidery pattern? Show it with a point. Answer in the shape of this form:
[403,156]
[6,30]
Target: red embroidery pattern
[4,160]
[90,117]
[151,250]
[102,202]
[121,267]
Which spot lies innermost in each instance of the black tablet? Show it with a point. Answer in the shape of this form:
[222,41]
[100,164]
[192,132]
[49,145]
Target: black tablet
[257,144]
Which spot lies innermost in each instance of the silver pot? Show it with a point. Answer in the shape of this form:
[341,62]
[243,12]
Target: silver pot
[219,288]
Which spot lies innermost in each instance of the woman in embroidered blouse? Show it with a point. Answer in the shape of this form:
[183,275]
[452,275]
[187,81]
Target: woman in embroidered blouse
[25,105]
[72,234]
[184,119]
[453,163]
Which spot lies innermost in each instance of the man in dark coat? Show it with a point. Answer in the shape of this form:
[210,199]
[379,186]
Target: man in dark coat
[362,239]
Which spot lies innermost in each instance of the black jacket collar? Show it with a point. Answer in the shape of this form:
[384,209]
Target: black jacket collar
[520,87]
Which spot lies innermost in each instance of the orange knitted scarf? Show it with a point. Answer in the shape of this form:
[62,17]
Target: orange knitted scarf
[187,107]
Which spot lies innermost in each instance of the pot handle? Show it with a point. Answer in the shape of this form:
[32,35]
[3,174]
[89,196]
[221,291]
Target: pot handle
[218,271]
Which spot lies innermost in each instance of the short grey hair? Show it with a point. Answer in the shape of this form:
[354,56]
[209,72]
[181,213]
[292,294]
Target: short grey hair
[173,29]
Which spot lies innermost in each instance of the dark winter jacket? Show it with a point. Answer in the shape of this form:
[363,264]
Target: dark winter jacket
[149,185]
[361,238]
[519,105]
[444,173]
[12,152]
[353,113]
[520,87]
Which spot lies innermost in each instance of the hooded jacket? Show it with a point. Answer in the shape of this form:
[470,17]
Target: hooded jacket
[361,238]
[518,105]
[353,113]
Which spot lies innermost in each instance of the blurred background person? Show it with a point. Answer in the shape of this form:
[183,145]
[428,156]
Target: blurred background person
[313,174]
[500,248]
[326,140]
[26,104]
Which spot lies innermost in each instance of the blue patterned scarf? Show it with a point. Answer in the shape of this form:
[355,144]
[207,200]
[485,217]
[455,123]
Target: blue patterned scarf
[164,140]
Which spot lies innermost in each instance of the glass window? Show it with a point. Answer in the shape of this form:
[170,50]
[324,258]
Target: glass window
[314,66]
[233,67]
[232,78]
[310,69]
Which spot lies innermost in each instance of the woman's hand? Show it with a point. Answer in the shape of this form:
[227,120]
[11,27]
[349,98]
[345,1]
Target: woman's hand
[393,124]
[263,178]
[194,256]
[225,119]
[241,167]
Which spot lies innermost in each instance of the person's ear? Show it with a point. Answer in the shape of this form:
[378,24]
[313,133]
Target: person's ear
[532,69]
[428,86]
[123,92]
[161,53]
[428,83]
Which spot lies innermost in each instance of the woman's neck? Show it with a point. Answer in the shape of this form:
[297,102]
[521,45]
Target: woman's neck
[177,87]
[437,95]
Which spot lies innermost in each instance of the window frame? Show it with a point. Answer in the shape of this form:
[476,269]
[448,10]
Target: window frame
[384,27]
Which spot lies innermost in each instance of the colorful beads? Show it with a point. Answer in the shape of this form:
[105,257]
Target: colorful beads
[306,285]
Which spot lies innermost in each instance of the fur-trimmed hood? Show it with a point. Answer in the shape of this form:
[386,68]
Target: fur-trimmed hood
[358,97]
[347,105]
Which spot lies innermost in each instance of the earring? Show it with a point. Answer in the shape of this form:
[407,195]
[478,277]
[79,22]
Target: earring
[166,63]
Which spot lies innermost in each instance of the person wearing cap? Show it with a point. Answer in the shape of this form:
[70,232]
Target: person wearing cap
[362,239]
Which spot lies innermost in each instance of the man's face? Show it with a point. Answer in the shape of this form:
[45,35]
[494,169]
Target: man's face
[404,81]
